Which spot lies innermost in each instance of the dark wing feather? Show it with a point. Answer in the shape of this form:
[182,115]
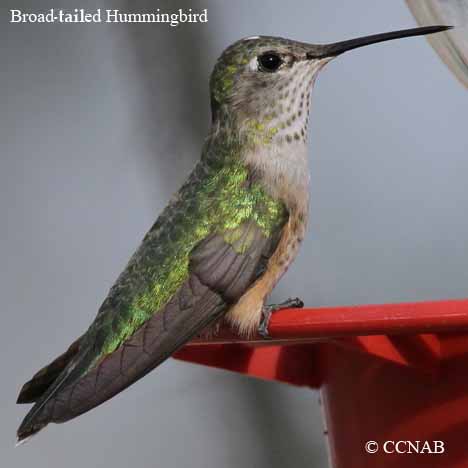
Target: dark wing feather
[220,272]
[191,308]
[230,268]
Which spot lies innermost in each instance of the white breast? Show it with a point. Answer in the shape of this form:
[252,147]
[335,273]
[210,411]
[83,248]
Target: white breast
[284,171]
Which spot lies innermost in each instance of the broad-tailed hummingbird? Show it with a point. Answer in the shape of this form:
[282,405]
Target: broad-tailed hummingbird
[222,243]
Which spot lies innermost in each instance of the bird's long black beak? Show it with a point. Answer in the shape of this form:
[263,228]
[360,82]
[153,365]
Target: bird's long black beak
[337,48]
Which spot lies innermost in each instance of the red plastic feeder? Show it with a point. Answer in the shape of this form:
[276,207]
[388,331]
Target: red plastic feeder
[393,377]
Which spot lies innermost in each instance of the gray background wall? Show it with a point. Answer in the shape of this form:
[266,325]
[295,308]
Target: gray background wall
[101,123]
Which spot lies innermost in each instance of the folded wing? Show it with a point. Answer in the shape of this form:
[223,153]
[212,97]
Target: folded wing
[221,268]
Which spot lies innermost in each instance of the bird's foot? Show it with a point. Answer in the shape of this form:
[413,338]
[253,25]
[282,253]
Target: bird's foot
[267,310]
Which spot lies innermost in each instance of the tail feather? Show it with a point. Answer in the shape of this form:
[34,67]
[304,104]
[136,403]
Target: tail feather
[40,414]
[44,378]
[90,379]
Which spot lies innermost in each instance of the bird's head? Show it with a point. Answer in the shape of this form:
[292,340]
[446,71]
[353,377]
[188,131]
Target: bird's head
[264,82]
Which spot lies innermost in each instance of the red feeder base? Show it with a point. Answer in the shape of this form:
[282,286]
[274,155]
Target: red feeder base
[421,414]
[389,401]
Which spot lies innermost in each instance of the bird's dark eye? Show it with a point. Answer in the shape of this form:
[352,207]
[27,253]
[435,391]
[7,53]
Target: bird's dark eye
[269,62]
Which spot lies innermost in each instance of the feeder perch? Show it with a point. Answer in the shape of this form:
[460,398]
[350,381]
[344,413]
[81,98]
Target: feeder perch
[392,372]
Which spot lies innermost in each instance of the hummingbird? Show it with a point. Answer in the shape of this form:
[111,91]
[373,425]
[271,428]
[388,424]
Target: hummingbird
[223,242]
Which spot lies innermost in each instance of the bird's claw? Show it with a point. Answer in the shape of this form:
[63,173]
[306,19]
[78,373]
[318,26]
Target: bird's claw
[267,310]
[263,327]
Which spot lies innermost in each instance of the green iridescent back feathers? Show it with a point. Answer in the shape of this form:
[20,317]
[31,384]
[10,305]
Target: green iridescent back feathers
[219,196]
